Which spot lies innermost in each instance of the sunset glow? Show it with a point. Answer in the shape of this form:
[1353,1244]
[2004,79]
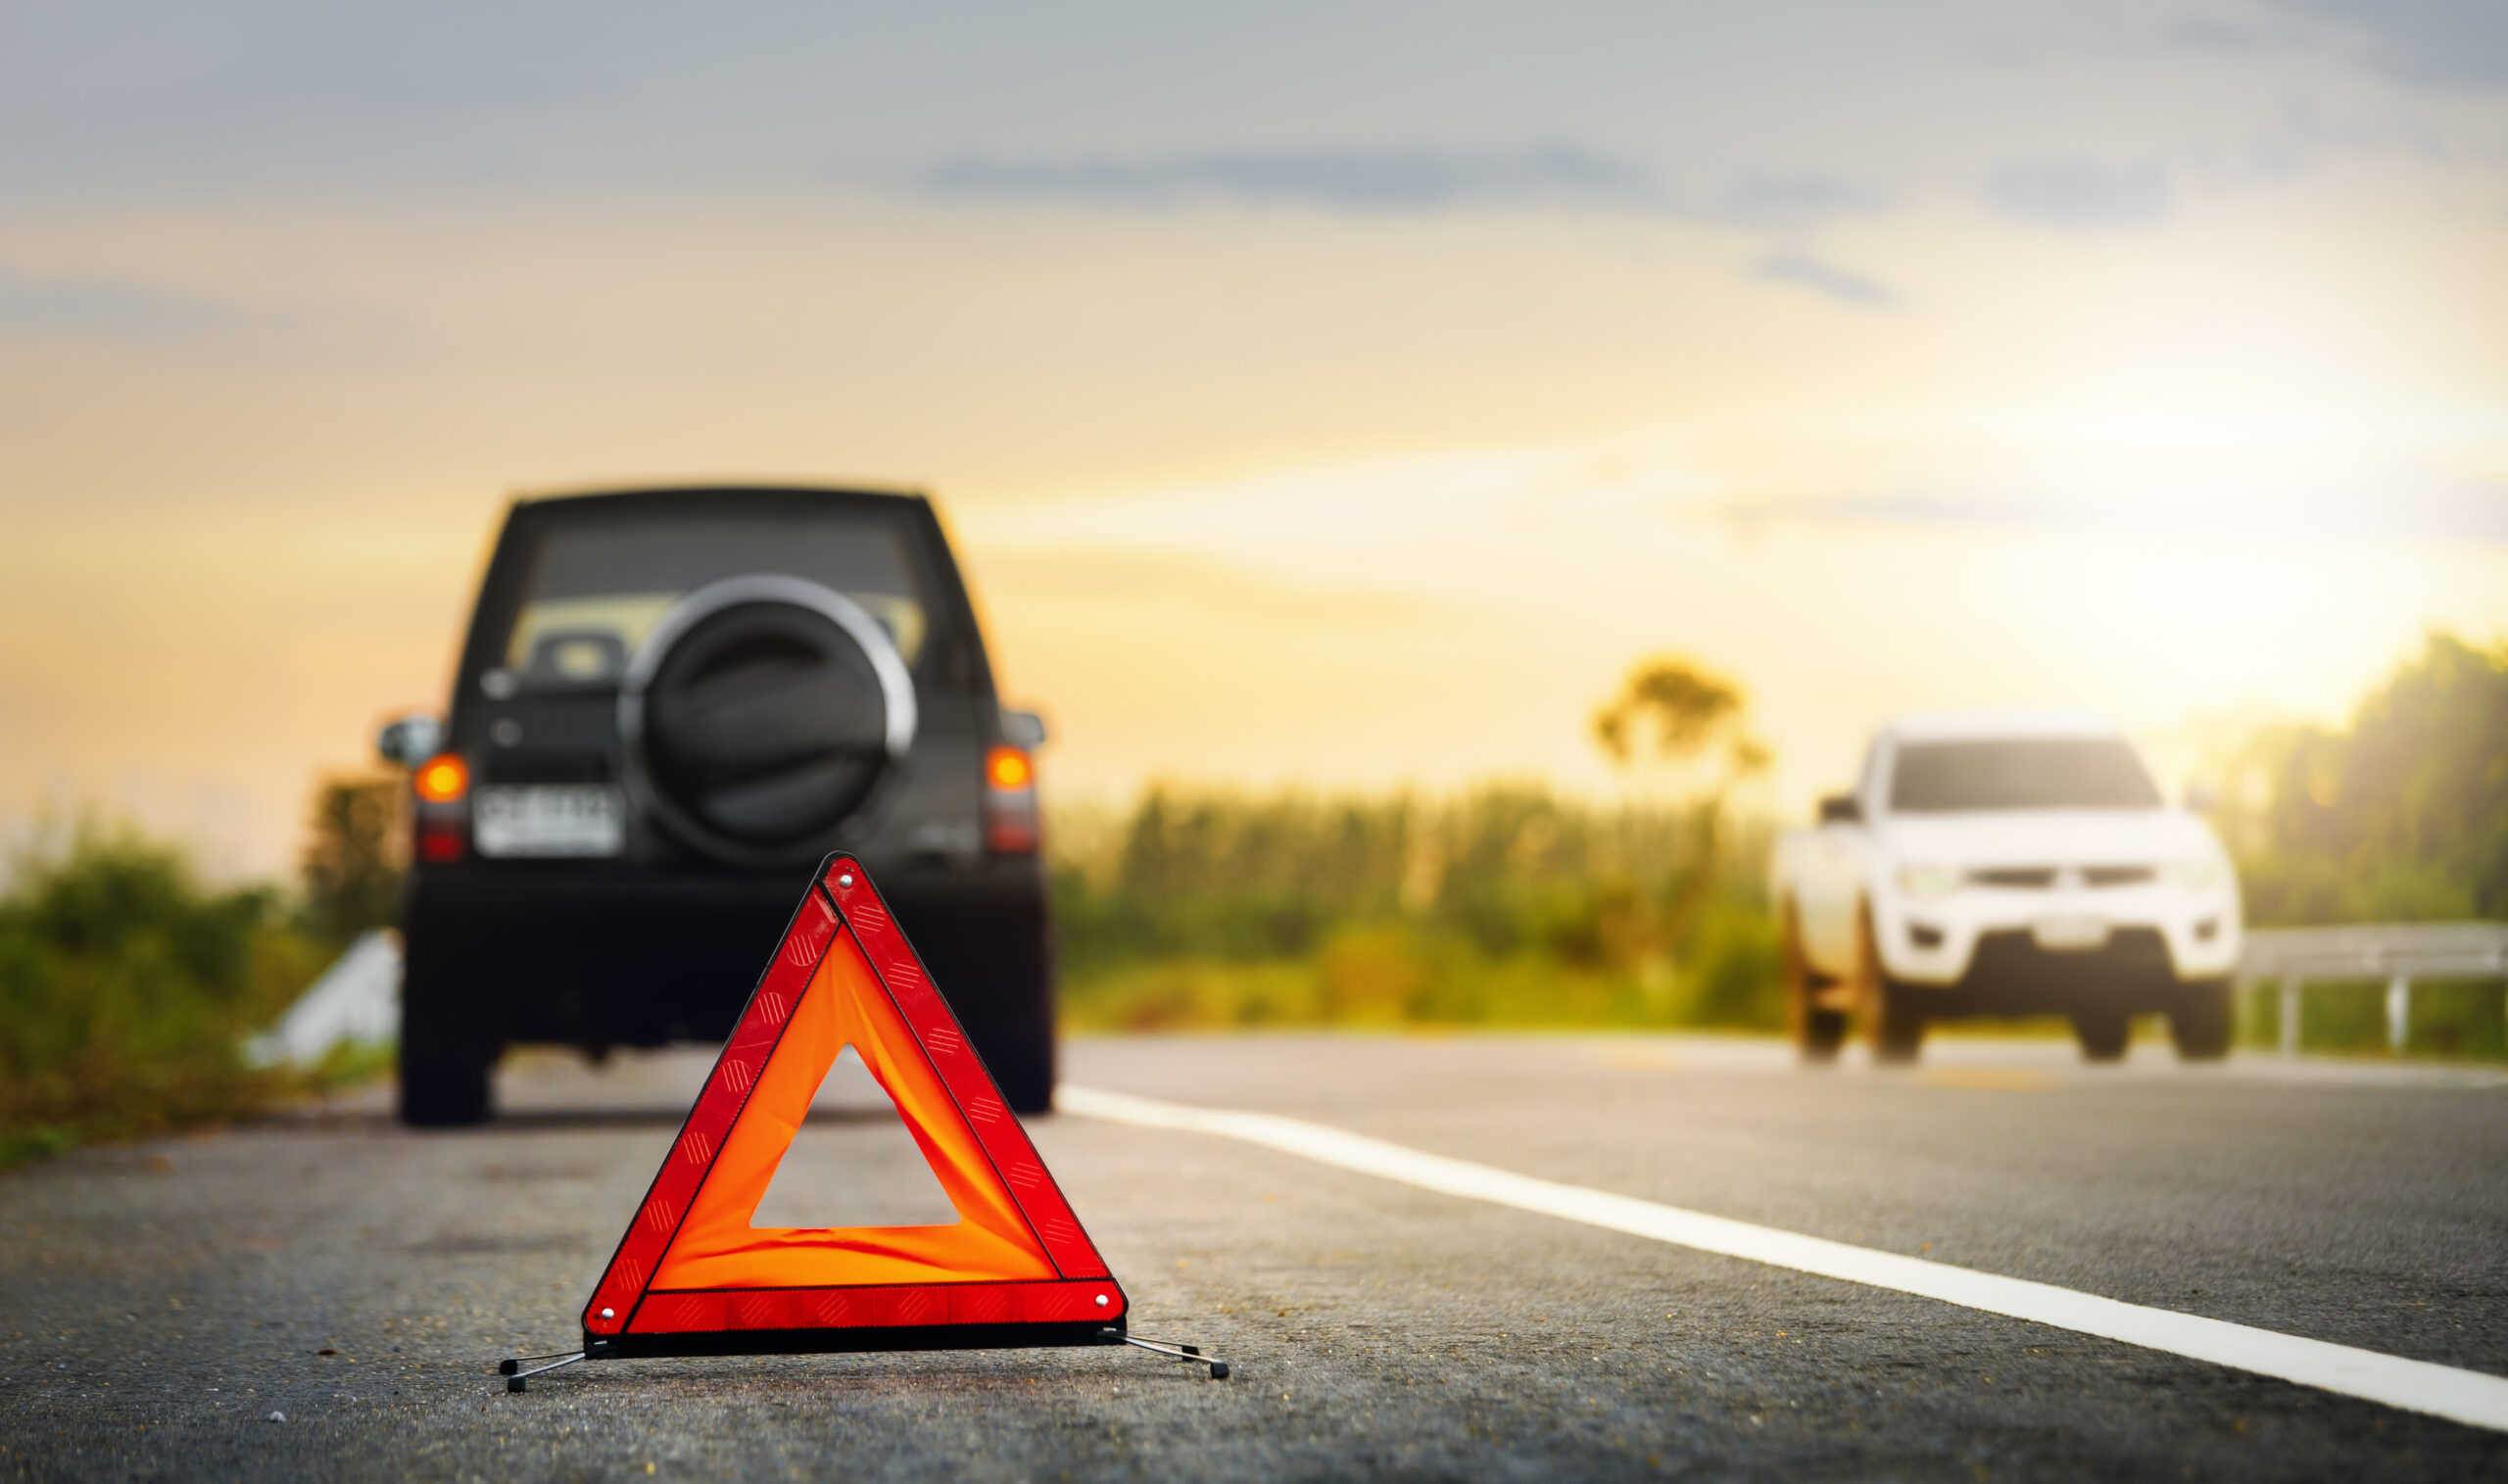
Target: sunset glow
[1918,370]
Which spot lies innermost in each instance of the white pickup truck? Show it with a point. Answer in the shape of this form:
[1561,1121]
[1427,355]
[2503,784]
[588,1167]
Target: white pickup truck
[2005,864]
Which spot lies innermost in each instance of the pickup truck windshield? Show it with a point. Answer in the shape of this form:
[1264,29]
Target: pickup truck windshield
[597,585]
[2019,773]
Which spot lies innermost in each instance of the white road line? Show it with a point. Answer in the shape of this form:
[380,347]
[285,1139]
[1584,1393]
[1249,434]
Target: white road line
[2443,1391]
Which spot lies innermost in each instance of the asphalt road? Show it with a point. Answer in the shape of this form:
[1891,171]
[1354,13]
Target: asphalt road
[159,1302]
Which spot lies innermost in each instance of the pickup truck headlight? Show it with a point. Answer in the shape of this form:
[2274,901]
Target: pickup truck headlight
[1927,880]
[2205,873]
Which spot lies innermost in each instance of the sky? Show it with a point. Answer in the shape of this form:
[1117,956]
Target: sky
[1341,395]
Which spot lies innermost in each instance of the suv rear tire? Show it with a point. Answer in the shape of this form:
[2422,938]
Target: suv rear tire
[1026,1072]
[444,1089]
[444,1062]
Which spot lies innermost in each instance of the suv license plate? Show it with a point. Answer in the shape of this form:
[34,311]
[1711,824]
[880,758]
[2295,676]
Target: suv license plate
[549,819]
[2070,935]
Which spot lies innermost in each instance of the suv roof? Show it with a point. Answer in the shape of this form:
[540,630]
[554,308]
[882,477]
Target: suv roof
[665,492]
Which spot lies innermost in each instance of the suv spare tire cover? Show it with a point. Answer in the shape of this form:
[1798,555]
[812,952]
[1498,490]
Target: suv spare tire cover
[760,714]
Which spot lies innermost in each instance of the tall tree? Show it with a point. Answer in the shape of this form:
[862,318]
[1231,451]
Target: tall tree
[2402,815]
[355,856]
[1674,723]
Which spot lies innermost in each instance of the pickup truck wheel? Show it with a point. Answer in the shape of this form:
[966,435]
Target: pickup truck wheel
[1898,1027]
[2102,1033]
[1818,1032]
[2202,1021]
[1892,1016]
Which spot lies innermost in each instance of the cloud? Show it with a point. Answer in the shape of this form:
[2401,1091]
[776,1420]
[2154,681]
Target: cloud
[1353,180]
[2436,43]
[2081,192]
[1169,578]
[62,307]
[2211,34]
[1795,200]
[1819,277]
[2399,505]
[1397,182]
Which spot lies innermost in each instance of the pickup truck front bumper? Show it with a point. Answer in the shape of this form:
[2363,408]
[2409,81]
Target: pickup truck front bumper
[2022,950]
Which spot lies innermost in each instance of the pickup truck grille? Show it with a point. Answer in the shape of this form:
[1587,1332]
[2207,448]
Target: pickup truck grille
[2041,878]
[2116,876]
[2037,877]
[2018,955]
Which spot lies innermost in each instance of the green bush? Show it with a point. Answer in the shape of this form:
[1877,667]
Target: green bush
[125,988]
[2403,816]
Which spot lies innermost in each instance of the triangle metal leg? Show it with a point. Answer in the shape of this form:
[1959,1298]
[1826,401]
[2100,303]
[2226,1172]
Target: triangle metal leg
[515,1375]
[1192,1353]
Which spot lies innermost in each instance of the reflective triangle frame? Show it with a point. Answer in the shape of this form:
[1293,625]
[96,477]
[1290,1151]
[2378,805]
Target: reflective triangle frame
[686,1281]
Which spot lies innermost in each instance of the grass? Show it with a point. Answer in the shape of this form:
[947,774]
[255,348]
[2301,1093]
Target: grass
[1366,980]
[2451,1020]
[126,987]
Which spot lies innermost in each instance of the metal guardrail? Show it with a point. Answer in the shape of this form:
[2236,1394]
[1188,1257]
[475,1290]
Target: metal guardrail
[2397,952]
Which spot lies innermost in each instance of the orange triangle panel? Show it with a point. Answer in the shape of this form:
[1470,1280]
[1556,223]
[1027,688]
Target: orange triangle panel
[693,1276]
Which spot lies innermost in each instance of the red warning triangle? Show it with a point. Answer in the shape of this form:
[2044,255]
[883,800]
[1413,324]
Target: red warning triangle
[691,1277]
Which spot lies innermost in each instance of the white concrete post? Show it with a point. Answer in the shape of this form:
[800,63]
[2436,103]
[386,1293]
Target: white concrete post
[2398,1011]
[2289,1016]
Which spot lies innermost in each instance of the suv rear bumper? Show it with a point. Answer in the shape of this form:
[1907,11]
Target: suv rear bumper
[596,956]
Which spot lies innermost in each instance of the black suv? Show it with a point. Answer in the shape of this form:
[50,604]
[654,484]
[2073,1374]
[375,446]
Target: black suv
[671,704]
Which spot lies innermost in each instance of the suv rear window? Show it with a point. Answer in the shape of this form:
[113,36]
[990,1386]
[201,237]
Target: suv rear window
[2020,773]
[595,587]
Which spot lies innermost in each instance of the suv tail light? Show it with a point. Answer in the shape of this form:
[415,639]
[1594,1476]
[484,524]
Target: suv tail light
[443,787]
[1010,824]
[445,778]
